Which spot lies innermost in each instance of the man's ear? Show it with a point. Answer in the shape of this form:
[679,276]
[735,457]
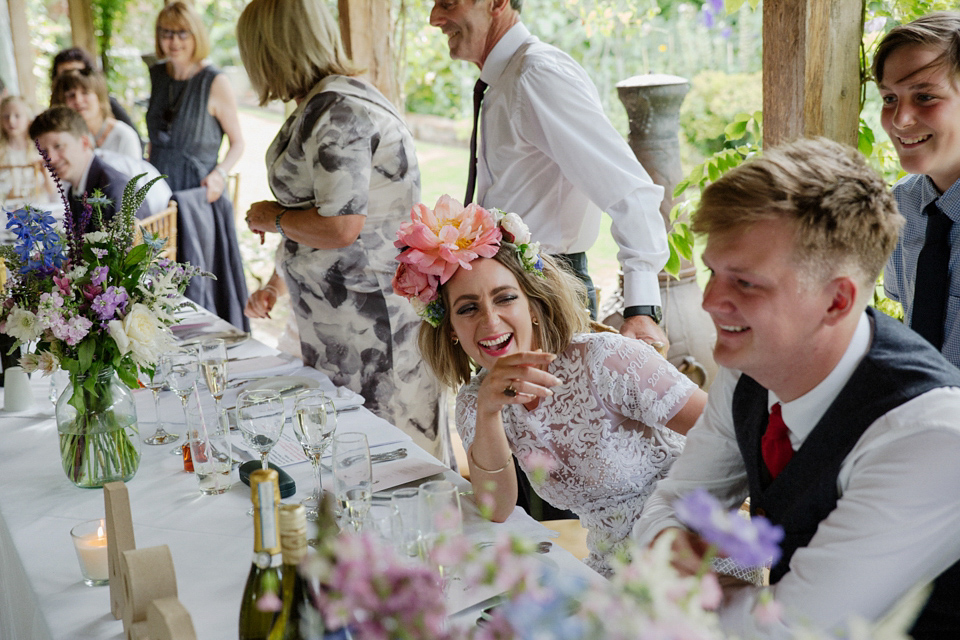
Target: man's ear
[843,293]
[87,141]
[498,6]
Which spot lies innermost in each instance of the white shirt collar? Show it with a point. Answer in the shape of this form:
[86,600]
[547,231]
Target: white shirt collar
[501,53]
[803,414]
[81,186]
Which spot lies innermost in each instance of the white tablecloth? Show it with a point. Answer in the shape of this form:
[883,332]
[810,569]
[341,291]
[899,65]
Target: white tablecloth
[210,537]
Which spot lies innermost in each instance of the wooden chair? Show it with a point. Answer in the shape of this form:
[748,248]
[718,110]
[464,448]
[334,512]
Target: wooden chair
[22,183]
[165,224]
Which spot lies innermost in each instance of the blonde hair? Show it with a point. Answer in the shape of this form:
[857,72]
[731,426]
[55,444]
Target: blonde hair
[89,80]
[556,303]
[180,15]
[288,46]
[4,140]
[845,217]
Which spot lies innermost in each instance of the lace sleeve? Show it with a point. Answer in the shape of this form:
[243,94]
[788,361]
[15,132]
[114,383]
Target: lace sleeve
[467,410]
[631,375]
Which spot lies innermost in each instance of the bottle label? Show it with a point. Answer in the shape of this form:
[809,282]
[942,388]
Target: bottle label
[268,524]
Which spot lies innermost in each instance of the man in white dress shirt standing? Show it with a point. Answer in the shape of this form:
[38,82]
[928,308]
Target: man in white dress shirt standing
[548,153]
[840,424]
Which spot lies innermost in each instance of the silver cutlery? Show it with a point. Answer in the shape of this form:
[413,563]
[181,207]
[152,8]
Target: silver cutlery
[387,456]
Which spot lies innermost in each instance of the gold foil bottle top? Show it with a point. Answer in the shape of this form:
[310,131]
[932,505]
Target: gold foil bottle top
[293,533]
[265,493]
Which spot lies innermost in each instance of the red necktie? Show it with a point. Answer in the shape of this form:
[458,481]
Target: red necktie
[775,445]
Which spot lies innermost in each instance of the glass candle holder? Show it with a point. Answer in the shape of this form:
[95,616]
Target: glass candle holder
[90,542]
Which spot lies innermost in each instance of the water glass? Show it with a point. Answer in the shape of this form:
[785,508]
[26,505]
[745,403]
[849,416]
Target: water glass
[352,478]
[440,519]
[210,450]
[314,423]
[155,382]
[181,369]
[406,521]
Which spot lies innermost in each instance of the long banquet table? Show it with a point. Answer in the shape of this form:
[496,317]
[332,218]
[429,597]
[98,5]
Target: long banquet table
[42,595]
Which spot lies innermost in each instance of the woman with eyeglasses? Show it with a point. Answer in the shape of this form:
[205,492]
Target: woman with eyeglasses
[191,107]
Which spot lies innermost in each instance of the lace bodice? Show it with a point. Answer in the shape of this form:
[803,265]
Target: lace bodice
[604,429]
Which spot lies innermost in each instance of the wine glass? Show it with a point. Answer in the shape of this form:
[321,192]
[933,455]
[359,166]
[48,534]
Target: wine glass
[155,383]
[352,477]
[314,422]
[440,519]
[260,418]
[181,369]
[213,363]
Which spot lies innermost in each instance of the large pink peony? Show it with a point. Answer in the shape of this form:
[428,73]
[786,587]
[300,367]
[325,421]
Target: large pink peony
[450,236]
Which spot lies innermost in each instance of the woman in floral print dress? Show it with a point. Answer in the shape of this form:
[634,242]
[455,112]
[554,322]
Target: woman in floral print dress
[344,175]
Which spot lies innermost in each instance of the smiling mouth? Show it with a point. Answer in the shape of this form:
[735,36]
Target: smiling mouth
[732,328]
[910,141]
[498,343]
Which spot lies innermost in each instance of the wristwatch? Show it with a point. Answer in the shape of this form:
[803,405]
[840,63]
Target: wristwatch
[654,311]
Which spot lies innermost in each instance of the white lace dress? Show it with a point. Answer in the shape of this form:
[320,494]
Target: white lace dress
[603,429]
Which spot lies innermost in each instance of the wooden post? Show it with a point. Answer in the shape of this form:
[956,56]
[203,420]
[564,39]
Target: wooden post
[81,25]
[811,70]
[367,32]
[22,50]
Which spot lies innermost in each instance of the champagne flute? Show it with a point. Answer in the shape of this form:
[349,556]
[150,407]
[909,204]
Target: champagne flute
[181,369]
[213,363]
[314,422]
[352,477]
[260,417]
[440,519]
[155,383]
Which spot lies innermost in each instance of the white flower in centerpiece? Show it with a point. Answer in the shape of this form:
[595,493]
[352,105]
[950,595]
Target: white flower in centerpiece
[515,226]
[29,362]
[23,325]
[47,362]
[95,236]
[76,272]
[143,334]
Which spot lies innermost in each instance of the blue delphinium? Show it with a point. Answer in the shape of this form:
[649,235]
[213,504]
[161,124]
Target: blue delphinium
[39,246]
[749,543]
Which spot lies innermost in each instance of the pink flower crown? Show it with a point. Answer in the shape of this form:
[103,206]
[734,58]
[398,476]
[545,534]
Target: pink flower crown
[436,242]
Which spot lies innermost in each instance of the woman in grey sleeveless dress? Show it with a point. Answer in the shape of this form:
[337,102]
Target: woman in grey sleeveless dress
[344,174]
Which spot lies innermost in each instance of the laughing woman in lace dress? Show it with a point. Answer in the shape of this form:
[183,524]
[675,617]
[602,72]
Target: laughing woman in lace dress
[602,415]
[344,174]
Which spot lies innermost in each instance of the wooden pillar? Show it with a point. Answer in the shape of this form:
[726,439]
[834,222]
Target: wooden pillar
[367,32]
[81,25]
[811,70]
[23,53]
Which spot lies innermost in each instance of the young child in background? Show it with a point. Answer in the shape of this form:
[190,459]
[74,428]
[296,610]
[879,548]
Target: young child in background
[22,178]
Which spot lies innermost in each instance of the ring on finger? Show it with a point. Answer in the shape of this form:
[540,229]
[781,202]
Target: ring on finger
[510,392]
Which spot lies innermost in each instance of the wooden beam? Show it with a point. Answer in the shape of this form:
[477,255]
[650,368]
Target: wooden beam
[23,53]
[811,70]
[367,32]
[81,25]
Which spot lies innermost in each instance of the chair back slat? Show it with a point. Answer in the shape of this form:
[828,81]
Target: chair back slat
[165,225]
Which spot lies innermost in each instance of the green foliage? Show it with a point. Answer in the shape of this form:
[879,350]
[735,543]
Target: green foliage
[715,99]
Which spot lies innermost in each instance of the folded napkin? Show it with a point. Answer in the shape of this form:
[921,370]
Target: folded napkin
[263,366]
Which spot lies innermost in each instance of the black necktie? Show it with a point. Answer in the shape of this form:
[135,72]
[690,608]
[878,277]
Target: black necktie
[478,90]
[933,278]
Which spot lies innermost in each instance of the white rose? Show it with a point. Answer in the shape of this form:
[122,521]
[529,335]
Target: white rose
[148,336]
[115,327]
[23,325]
[515,226]
[531,251]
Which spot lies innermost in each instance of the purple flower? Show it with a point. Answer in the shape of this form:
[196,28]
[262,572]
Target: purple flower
[749,543]
[99,275]
[106,304]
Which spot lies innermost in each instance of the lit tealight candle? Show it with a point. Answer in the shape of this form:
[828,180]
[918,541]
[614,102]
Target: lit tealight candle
[90,541]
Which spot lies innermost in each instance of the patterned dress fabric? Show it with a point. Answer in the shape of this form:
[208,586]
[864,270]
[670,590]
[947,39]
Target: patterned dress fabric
[345,150]
[186,148]
[603,432]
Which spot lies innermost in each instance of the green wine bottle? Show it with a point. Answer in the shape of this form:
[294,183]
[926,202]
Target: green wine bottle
[264,577]
[295,593]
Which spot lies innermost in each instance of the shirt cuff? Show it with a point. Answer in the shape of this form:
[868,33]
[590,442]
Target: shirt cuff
[641,288]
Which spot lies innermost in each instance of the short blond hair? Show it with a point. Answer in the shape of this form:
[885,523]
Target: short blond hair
[556,302]
[288,46]
[846,218]
[180,15]
[90,80]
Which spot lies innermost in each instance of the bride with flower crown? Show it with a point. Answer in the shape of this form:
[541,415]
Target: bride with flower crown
[594,419]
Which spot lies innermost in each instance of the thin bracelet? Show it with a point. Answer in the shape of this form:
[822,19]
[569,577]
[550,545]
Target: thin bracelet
[223,174]
[280,228]
[479,468]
